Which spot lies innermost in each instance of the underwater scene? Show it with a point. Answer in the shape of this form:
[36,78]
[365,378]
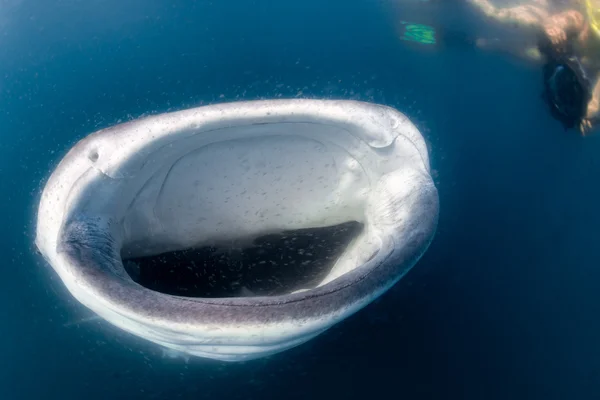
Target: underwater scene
[302,200]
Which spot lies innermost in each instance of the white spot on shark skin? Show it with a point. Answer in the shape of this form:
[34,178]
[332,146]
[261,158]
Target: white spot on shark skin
[229,173]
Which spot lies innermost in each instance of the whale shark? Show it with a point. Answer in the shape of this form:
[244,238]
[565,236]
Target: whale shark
[239,230]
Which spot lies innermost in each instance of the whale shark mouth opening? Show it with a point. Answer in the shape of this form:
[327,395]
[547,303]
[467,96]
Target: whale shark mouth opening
[271,265]
[240,230]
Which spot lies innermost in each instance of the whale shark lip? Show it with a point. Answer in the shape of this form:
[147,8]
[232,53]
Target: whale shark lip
[238,172]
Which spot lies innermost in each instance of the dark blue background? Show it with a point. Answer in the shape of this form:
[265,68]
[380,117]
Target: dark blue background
[505,304]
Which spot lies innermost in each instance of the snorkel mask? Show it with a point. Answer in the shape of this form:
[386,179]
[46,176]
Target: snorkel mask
[565,91]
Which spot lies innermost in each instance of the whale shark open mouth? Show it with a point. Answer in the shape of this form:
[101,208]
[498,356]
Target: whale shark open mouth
[274,264]
[239,230]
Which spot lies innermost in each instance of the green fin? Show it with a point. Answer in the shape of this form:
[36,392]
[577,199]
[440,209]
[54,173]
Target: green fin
[418,33]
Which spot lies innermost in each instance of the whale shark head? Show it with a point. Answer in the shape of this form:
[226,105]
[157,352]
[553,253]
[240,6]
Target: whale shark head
[344,184]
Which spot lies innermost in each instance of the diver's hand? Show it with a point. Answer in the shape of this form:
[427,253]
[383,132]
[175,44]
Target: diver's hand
[557,36]
[585,127]
[557,26]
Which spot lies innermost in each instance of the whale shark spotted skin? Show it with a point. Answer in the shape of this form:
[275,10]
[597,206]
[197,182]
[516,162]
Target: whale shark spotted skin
[235,172]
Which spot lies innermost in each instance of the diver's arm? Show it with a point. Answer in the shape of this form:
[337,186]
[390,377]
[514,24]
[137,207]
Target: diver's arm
[592,115]
[593,106]
[529,54]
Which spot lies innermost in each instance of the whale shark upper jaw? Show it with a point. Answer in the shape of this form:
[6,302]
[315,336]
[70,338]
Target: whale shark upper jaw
[179,228]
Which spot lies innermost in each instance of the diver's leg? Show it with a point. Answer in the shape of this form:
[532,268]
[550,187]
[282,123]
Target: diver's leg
[523,15]
[531,15]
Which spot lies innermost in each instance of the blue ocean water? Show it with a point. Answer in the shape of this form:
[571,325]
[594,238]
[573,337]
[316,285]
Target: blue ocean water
[503,305]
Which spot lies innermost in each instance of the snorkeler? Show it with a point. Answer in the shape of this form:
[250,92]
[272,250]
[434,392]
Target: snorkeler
[569,45]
